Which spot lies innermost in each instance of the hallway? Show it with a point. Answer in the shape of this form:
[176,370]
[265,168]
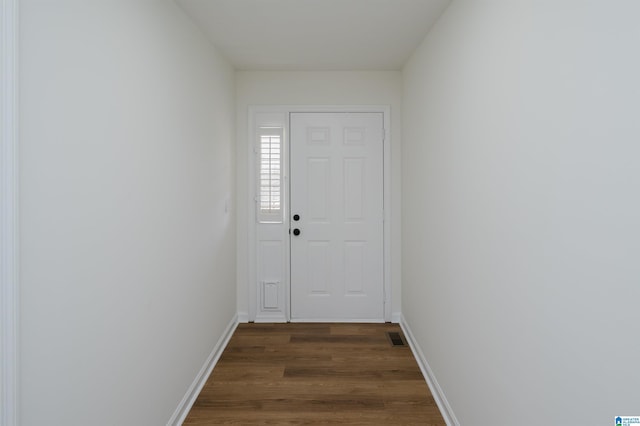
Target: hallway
[129,248]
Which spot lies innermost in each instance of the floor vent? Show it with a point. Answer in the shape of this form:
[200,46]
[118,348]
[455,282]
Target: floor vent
[396,338]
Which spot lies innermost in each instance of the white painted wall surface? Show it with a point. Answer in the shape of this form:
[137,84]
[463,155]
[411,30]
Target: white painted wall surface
[315,88]
[521,238]
[127,245]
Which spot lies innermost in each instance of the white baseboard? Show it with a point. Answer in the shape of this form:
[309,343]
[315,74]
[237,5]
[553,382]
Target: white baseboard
[243,317]
[396,317]
[194,390]
[436,390]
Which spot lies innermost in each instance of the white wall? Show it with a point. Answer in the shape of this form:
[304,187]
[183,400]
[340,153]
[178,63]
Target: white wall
[315,88]
[521,238]
[128,253]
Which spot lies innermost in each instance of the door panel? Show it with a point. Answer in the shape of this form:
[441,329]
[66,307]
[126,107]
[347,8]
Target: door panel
[337,190]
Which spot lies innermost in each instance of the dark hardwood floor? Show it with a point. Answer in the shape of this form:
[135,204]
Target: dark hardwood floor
[300,373]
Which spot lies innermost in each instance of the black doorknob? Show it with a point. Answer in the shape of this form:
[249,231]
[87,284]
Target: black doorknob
[296,217]
[296,232]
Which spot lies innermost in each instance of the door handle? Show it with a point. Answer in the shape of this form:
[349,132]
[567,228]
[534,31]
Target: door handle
[296,232]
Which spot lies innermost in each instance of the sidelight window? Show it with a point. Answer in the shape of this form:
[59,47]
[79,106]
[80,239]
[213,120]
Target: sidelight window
[270,162]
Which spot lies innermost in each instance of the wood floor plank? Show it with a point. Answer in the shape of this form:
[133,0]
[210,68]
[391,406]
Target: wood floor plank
[360,373]
[350,340]
[248,372]
[355,418]
[307,373]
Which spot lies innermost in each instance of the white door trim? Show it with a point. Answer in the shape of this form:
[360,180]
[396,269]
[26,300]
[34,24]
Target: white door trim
[252,273]
[9,244]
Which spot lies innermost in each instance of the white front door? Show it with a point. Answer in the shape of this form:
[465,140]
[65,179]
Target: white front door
[336,180]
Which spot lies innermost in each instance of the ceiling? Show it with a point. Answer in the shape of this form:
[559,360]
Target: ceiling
[315,34]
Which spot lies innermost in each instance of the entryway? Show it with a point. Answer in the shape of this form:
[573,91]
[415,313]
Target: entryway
[320,224]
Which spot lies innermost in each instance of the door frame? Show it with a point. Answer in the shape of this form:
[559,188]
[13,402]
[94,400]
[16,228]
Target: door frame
[282,113]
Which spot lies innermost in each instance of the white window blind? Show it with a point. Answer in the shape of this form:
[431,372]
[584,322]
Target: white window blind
[270,175]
